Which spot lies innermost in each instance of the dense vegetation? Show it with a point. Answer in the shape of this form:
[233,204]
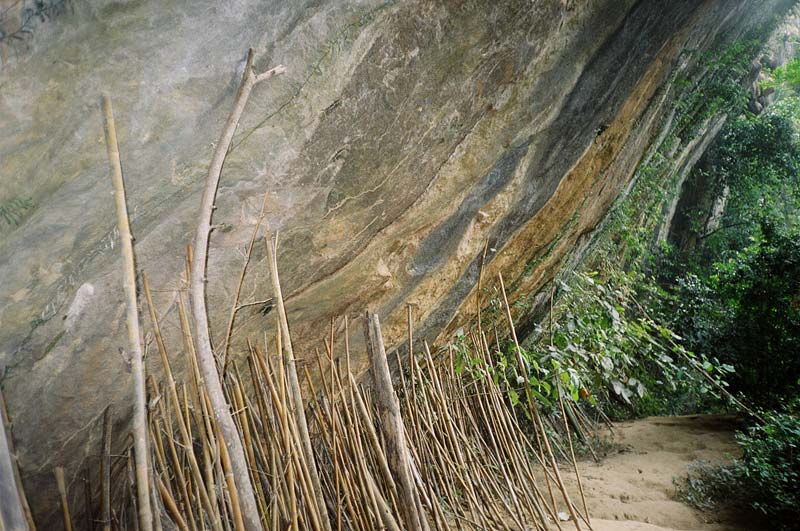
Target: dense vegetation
[708,319]
[733,288]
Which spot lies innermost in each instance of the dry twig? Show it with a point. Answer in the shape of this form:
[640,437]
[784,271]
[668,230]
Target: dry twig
[205,354]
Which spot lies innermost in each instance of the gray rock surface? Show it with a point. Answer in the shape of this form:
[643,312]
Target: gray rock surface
[404,136]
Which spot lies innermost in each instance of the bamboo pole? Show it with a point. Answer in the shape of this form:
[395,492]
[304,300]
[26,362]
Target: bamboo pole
[62,491]
[383,508]
[88,506]
[469,462]
[134,335]
[535,410]
[572,454]
[131,475]
[294,383]
[105,472]
[205,354]
[172,507]
[181,420]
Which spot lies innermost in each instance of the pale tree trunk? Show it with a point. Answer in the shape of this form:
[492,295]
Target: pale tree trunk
[205,355]
[393,427]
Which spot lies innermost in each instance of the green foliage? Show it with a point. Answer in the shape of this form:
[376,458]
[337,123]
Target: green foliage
[765,477]
[628,231]
[736,294]
[784,77]
[757,158]
[759,293]
[11,212]
[770,466]
[612,345]
[707,484]
[603,348]
[720,89]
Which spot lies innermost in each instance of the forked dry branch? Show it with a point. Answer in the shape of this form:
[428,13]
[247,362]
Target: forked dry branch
[205,355]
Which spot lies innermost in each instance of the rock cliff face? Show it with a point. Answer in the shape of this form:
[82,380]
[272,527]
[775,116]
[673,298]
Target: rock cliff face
[404,137]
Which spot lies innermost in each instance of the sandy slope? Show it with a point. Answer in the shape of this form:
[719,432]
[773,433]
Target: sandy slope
[633,490]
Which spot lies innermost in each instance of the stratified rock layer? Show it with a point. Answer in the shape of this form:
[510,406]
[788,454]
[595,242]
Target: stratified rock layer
[404,137]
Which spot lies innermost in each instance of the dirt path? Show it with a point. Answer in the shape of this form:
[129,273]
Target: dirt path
[633,490]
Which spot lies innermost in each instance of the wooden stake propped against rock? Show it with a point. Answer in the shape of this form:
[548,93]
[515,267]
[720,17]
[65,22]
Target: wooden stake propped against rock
[205,355]
[140,434]
[62,492]
[14,510]
[392,426]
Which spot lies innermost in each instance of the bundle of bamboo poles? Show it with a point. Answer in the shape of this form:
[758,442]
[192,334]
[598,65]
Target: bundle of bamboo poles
[440,449]
[470,463]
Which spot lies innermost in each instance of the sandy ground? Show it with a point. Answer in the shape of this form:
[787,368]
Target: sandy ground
[632,490]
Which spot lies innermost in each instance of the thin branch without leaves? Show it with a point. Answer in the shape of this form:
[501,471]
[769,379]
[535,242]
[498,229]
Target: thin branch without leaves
[205,354]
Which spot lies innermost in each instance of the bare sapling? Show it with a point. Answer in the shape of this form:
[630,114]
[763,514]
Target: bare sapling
[205,354]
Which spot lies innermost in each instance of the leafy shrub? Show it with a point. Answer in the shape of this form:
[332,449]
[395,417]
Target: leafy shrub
[603,348]
[746,311]
[766,477]
[762,336]
[770,467]
[786,77]
[721,89]
[708,485]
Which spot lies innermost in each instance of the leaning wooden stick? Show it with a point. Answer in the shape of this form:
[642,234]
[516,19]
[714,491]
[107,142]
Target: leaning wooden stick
[12,496]
[134,335]
[205,355]
[534,409]
[392,426]
[62,492]
[294,383]
[105,471]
